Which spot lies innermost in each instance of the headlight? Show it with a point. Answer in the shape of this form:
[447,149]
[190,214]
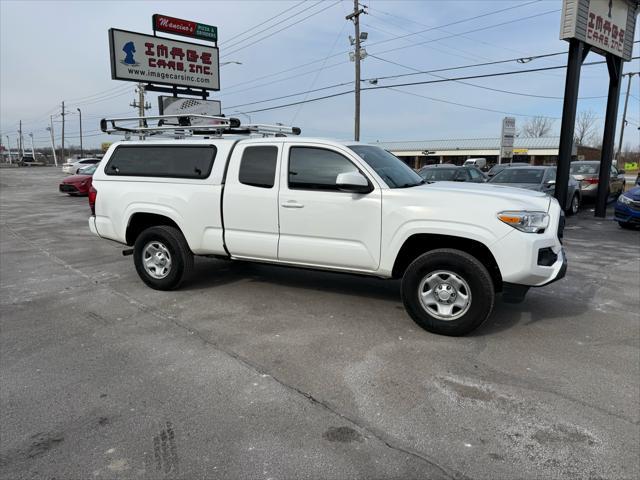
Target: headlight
[529,222]
[625,200]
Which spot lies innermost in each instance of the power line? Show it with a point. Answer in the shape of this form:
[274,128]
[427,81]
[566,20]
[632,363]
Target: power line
[515,72]
[449,102]
[480,29]
[283,28]
[125,91]
[384,41]
[239,42]
[401,21]
[335,42]
[406,75]
[509,92]
[469,19]
[261,23]
[96,94]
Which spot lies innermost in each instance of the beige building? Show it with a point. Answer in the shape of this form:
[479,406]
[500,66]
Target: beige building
[537,151]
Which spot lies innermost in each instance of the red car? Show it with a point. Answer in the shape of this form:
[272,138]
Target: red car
[79,184]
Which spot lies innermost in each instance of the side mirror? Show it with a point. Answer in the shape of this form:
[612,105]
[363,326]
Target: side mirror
[353,182]
[550,183]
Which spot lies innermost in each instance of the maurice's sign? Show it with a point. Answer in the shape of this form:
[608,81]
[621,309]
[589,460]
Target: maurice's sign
[187,28]
[145,58]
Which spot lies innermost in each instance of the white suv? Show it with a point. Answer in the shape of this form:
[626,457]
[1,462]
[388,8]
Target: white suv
[340,206]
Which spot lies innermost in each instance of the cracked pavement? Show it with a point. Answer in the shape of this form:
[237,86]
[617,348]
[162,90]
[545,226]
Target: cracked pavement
[256,371]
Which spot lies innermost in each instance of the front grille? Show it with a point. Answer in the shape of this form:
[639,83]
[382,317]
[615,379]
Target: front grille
[546,257]
[67,188]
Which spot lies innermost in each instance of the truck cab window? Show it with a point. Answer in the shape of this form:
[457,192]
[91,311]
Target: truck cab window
[316,168]
[258,166]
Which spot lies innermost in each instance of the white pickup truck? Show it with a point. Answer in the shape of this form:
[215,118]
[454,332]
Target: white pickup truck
[321,204]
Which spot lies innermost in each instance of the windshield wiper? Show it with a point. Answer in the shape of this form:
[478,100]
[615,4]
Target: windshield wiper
[407,185]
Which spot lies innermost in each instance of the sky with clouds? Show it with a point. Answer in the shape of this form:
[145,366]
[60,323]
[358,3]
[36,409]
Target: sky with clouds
[58,50]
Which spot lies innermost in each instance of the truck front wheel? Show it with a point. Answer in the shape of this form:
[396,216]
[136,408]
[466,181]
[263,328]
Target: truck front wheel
[162,257]
[448,292]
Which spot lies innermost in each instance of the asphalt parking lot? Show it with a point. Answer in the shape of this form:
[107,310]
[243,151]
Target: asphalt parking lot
[253,371]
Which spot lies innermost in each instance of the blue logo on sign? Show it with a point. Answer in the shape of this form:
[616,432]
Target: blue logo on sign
[129,49]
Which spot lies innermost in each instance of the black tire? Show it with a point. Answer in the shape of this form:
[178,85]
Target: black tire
[622,190]
[181,257]
[466,267]
[574,207]
[627,226]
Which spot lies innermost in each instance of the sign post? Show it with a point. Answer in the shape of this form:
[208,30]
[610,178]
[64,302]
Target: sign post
[507,138]
[606,27]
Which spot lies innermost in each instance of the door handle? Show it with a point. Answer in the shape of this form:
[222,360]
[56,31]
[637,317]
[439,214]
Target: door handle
[292,204]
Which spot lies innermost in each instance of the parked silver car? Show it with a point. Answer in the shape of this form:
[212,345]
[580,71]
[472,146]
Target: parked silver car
[587,171]
[542,179]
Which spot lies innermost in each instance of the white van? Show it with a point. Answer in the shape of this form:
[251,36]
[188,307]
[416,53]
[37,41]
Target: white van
[481,163]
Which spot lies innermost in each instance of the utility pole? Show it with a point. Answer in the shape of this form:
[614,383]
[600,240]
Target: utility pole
[355,17]
[141,105]
[81,149]
[20,141]
[624,117]
[9,149]
[63,160]
[33,150]
[53,143]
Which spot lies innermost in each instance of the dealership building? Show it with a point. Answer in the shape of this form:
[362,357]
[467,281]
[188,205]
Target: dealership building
[536,151]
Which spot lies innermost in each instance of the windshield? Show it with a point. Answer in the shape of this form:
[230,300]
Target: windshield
[391,169]
[519,175]
[497,168]
[88,170]
[437,174]
[584,168]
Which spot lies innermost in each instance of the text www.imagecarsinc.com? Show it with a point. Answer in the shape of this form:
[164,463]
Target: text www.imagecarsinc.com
[169,76]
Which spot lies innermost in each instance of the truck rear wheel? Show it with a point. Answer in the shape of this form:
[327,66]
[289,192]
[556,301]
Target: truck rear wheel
[448,292]
[162,257]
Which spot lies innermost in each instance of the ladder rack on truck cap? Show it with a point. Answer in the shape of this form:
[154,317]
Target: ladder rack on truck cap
[180,126]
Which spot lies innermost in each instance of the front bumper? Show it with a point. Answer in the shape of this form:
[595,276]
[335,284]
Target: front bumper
[532,259]
[68,188]
[515,293]
[626,214]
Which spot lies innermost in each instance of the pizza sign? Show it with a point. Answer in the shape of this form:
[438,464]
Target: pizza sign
[187,28]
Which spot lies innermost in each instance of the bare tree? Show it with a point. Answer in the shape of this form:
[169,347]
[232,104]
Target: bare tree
[537,127]
[586,129]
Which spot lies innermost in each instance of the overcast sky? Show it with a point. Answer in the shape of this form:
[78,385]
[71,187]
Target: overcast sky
[58,50]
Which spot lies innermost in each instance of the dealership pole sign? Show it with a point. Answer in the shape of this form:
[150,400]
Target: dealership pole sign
[507,137]
[137,57]
[187,28]
[606,25]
